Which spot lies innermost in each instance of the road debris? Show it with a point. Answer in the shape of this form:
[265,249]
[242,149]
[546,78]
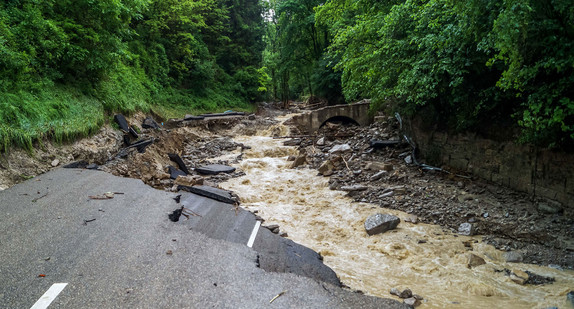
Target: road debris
[36,199]
[105,196]
[277,296]
[88,220]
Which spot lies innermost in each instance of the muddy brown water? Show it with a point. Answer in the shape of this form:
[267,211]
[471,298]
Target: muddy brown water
[429,260]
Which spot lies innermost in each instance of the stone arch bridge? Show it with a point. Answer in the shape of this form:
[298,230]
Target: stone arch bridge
[311,121]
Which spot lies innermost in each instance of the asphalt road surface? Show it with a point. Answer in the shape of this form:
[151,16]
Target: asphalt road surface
[61,248]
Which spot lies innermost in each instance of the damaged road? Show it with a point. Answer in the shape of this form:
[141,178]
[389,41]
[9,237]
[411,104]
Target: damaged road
[132,255]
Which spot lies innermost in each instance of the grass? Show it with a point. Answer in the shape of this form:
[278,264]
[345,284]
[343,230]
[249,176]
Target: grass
[64,113]
[59,113]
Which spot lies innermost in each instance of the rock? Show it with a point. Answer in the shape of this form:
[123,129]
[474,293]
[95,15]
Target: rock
[292,142]
[149,123]
[214,169]
[326,169]
[212,193]
[334,185]
[300,160]
[407,293]
[400,190]
[466,229]
[276,231]
[413,302]
[409,160]
[388,167]
[272,227]
[378,175]
[416,296]
[354,188]
[338,149]
[189,180]
[550,208]
[375,166]
[321,142]
[174,172]
[291,158]
[55,163]
[518,276]
[251,117]
[475,260]
[412,219]
[380,223]
[395,291]
[513,257]
[570,297]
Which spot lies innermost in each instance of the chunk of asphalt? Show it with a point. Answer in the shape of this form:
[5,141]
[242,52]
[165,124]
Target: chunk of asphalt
[150,123]
[278,254]
[177,159]
[223,114]
[122,122]
[214,169]
[211,192]
[141,145]
[127,140]
[174,172]
[92,166]
[192,117]
[77,164]
[133,132]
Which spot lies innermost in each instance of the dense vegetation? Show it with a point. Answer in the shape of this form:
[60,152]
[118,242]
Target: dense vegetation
[465,64]
[65,65]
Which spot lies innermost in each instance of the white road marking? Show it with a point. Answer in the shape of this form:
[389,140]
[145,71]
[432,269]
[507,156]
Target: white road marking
[253,234]
[49,296]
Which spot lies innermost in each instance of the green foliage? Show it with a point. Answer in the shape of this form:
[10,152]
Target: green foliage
[475,62]
[294,55]
[65,64]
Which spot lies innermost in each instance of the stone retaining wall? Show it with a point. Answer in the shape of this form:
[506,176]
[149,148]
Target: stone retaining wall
[525,168]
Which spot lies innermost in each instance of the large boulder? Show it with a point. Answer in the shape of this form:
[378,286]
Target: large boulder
[380,223]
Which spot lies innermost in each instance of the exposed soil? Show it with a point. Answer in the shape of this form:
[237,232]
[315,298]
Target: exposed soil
[510,220]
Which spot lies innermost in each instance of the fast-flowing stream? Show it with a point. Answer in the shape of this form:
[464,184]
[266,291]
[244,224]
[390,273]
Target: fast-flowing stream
[430,261]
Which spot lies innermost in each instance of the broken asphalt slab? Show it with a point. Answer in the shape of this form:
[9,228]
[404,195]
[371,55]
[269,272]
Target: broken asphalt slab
[212,193]
[275,253]
[177,159]
[132,256]
[214,169]
[174,172]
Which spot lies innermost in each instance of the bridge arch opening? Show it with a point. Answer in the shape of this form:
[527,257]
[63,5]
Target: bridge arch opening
[344,120]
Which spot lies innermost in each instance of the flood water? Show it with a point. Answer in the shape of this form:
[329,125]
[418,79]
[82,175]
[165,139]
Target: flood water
[432,262]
